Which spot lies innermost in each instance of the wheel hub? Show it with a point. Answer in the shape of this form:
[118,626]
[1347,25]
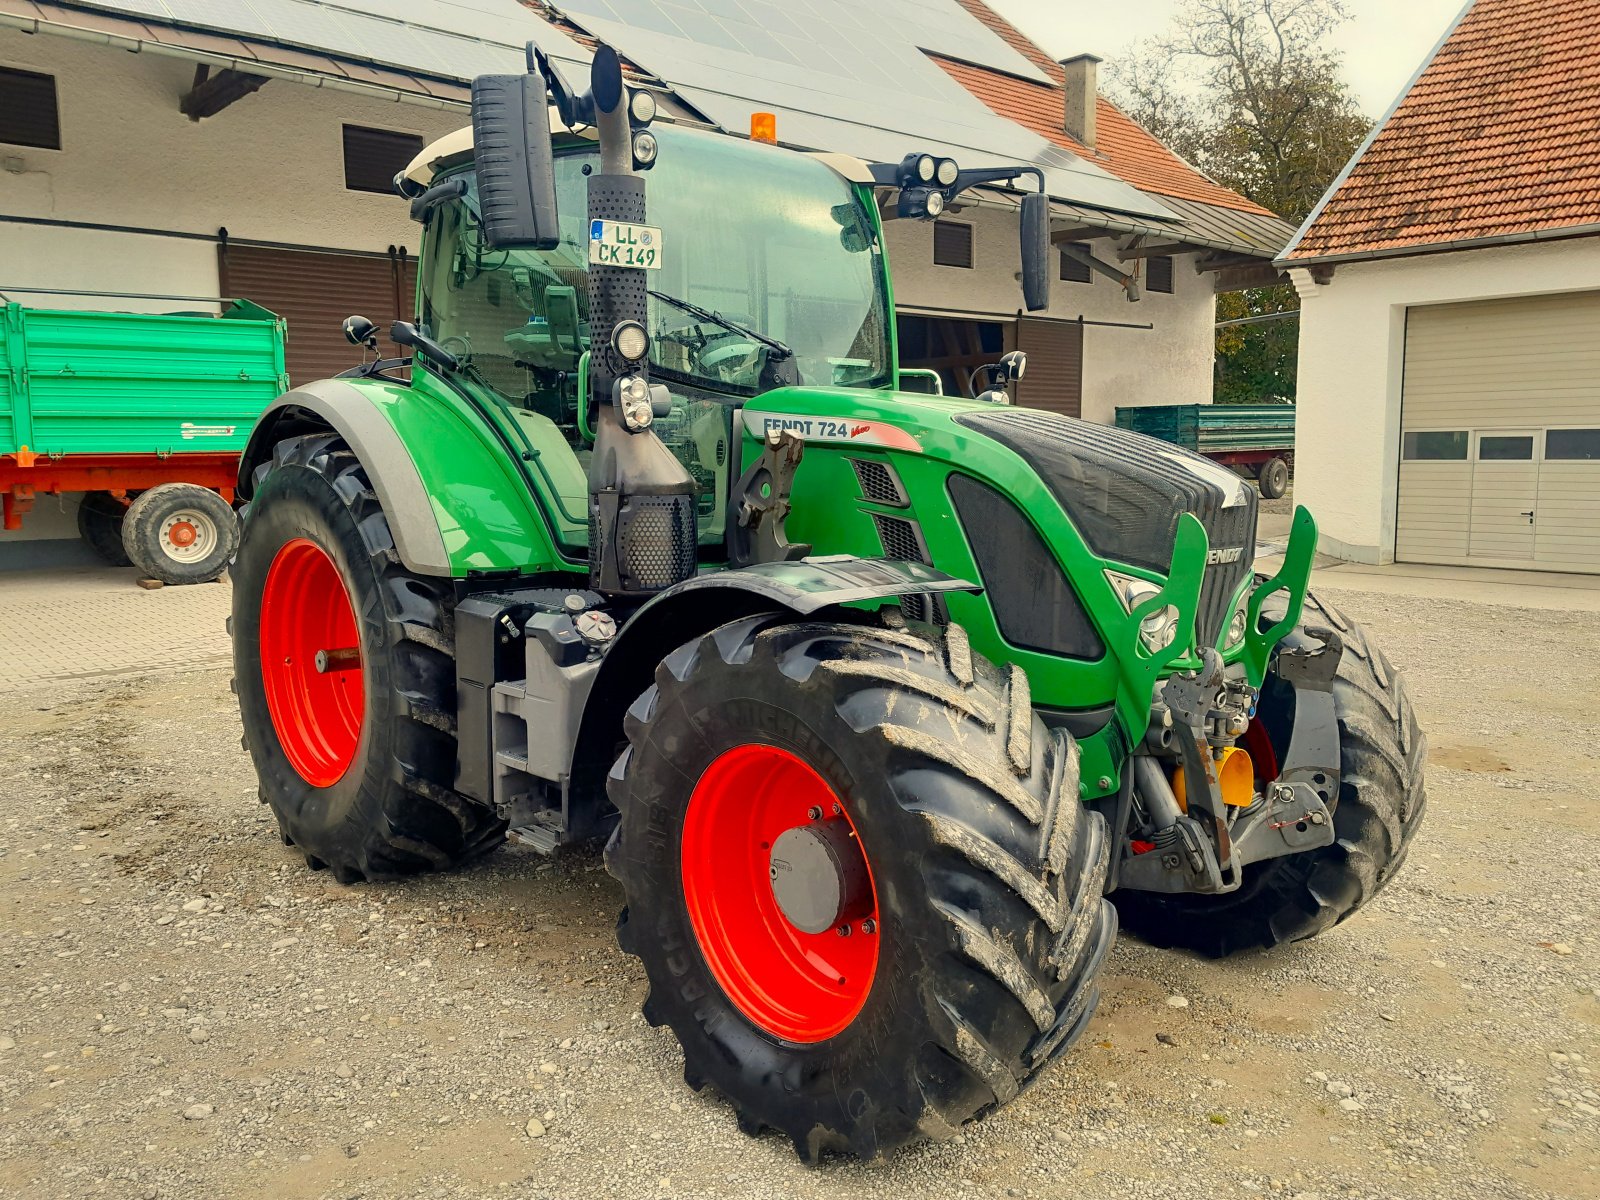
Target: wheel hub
[819,877]
[779,891]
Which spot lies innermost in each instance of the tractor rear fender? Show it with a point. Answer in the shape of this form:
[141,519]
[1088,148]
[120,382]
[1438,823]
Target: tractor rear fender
[698,605]
[333,404]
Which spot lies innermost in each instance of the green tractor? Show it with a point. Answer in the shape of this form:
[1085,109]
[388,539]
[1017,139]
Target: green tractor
[873,695]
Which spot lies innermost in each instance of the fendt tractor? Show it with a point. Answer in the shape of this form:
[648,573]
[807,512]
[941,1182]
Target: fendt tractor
[873,696]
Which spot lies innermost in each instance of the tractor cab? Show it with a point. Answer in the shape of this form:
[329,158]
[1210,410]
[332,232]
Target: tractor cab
[769,271]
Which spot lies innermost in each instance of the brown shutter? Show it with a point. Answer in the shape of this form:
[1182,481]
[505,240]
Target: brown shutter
[28,114]
[373,157]
[1158,274]
[314,292]
[952,244]
[1054,379]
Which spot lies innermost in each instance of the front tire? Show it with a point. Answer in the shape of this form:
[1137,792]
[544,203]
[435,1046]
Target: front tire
[100,516]
[1274,478]
[977,925]
[345,673]
[1376,814]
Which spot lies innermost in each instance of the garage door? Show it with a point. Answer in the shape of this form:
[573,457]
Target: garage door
[314,291]
[1054,379]
[1500,434]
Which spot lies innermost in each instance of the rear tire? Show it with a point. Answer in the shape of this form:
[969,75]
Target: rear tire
[986,876]
[180,533]
[358,769]
[100,517]
[1274,478]
[1376,814]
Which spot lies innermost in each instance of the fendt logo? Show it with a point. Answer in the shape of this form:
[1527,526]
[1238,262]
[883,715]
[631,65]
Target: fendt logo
[1217,558]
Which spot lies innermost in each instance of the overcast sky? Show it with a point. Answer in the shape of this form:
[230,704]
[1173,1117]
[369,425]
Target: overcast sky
[1383,43]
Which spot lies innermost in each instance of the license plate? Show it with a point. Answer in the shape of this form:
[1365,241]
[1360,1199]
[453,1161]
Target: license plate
[619,244]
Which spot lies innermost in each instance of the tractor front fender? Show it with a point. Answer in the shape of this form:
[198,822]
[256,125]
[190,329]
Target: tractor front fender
[701,604]
[333,404]
[452,491]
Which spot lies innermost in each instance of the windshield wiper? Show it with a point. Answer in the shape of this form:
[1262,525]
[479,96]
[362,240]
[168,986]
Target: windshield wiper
[705,314]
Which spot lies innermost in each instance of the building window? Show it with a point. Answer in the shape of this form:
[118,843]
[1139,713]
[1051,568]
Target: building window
[1426,447]
[28,114]
[1075,270]
[373,157]
[1158,274]
[1505,449]
[1572,444]
[952,244]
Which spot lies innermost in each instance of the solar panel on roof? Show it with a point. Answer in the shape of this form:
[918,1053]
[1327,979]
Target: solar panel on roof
[451,39]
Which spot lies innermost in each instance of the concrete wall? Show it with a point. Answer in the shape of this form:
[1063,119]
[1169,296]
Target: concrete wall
[1352,357]
[1169,364]
[269,167]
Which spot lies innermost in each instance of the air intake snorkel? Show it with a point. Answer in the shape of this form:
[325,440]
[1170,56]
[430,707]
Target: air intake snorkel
[642,530]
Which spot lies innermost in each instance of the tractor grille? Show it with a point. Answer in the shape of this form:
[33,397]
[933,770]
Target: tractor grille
[1125,493]
[879,483]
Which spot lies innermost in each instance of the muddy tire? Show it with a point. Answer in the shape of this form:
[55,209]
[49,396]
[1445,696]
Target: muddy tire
[355,750]
[180,533]
[971,951]
[100,526]
[1376,814]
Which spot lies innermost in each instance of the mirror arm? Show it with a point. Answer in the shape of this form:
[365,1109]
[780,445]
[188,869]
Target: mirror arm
[404,333]
[450,189]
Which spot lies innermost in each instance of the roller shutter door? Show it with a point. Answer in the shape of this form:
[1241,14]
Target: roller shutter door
[314,291]
[1054,379]
[1500,434]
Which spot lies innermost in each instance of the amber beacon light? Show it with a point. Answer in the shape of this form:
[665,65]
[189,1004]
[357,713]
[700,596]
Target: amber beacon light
[764,128]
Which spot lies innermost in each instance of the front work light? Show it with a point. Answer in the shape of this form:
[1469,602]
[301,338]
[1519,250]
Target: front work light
[947,171]
[642,108]
[633,397]
[922,203]
[645,148]
[630,340]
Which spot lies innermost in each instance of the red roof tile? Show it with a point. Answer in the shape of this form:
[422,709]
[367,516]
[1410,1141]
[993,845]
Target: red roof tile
[1123,147]
[1498,136]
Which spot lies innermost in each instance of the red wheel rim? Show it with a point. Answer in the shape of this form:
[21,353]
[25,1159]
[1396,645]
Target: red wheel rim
[802,987]
[317,715]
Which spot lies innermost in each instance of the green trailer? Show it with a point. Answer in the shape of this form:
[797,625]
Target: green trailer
[146,414]
[1256,439]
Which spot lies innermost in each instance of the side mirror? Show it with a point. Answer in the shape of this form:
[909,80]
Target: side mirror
[515,162]
[359,331]
[1035,233]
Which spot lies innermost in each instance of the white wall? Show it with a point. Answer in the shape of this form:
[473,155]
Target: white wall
[1352,348]
[1169,364]
[268,167]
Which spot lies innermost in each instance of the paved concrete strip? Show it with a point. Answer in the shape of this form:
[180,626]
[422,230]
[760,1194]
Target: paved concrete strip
[85,623]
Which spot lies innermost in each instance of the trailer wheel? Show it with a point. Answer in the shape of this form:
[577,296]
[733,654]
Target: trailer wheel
[180,533]
[100,518]
[344,667]
[866,897]
[1274,477]
[1377,812]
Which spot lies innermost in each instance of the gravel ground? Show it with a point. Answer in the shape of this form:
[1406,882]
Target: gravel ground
[187,1011]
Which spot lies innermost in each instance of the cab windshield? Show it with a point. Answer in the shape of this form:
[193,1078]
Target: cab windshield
[771,241]
[755,237]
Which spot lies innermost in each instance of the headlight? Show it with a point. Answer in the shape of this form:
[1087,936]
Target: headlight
[926,168]
[1156,631]
[1236,628]
[645,147]
[935,203]
[634,394]
[947,171]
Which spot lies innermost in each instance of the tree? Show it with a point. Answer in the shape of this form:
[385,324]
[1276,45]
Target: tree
[1248,91]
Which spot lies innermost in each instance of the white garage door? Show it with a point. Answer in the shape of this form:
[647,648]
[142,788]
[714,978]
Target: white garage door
[1500,434]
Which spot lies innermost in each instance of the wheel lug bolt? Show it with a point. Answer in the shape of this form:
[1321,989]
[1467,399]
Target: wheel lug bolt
[838,810]
[869,926]
[844,931]
[814,813]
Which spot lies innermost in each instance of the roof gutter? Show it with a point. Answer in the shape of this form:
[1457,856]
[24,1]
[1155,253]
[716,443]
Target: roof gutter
[249,66]
[1283,261]
[1527,237]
